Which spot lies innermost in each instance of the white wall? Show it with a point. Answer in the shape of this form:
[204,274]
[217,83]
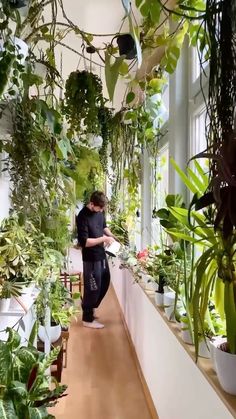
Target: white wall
[177,386]
[4,197]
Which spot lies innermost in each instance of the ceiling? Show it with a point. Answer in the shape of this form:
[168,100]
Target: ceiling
[96,17]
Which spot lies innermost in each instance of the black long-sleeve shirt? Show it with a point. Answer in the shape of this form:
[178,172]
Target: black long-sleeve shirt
[91,225]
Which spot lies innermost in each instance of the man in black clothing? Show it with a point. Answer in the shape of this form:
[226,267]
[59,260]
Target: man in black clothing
[92,235]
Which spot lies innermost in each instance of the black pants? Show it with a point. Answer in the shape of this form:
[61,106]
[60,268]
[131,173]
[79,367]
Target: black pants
[96,284]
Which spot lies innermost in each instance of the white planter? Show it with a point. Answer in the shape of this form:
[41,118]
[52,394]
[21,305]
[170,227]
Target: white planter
[216,341]
[159,299]
[55,333]
[27,290]
[204,348]
[4,304]
[185,334]
[143,277]
[226,370]
[153,285]
[169,305]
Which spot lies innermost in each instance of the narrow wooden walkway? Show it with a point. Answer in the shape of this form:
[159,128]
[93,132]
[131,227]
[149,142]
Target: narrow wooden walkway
[102,378]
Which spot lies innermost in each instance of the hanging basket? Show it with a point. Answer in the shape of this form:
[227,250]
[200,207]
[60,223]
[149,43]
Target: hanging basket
[17,4]
[126,46]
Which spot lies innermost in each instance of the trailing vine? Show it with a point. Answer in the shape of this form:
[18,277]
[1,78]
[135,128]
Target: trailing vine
[83,99]
[105,117]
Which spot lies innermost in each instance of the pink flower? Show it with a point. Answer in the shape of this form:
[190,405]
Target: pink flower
[142,255]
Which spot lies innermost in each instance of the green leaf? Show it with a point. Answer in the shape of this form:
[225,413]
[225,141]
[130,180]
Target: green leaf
[163,213]
[171,58]
[112,73]
[7,410]
[33,333]
[157,84]
[14,339]
[201,173]
[38,413]
[124,69]
[135,33]
[183,177]
[62,148]
[199,184]
[16,388]
[144,9]
[130,97]
[126,5]
[138,2]
[5,363]
[218,297]
[174,200]
[230,315]
[149,133]
[155,11]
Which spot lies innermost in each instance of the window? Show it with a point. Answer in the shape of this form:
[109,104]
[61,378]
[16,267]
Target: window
[160,190]
[198,137]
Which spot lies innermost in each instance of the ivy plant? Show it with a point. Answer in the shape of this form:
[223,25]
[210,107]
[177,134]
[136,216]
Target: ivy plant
[83,99]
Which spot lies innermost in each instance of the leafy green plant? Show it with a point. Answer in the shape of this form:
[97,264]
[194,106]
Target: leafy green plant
[165,266]
[204,283]
[19,258]
[119,228]
[25,385]
[105,116]
[25,256]
[83,99]
[61,303]
[10,289]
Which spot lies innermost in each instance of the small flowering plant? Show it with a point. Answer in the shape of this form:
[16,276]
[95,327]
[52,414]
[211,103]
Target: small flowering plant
[142,256]
[164,266]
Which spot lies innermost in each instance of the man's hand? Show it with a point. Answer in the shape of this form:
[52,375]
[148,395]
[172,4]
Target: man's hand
[108,239]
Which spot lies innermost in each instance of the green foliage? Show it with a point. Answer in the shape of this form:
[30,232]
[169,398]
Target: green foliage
[25,388]
[119,228]
[56,226]
[25,256]
[62,305]
[216,263]
[112,72]
[150,9]
[83,98]
[106,121]
[88,172]
[166,267]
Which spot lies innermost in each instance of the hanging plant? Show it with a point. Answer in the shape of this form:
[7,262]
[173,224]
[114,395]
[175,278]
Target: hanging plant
[83,99]
[107,124]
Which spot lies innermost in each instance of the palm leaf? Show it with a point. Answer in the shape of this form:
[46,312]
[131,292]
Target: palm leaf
[230,315]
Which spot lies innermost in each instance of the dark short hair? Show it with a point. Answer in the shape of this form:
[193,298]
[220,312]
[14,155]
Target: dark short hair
[98,198]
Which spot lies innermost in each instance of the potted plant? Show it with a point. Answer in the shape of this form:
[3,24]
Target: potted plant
[62,309]
[19,255]
[83,99]
[26,388]
[8,289]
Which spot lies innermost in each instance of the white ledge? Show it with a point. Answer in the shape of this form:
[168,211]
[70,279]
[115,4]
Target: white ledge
[180,388]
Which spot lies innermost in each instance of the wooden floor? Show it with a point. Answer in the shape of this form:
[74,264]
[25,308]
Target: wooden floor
[103,382]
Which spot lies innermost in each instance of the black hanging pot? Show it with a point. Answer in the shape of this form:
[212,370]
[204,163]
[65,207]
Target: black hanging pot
[126,46]
[17,4]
